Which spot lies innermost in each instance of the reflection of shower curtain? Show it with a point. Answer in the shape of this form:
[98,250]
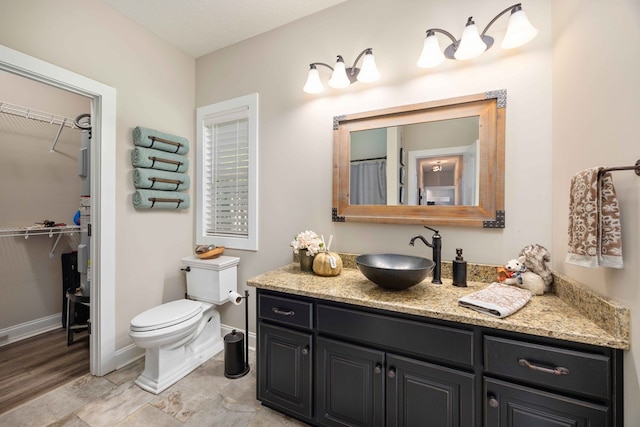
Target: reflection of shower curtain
[368,182]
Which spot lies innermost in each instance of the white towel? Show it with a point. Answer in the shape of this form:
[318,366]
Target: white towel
[595,236]
[497,299]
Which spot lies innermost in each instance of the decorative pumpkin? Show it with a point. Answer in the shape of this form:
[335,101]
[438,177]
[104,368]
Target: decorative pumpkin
[327,264]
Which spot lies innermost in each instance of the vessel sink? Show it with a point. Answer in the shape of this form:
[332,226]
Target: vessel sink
[394,271]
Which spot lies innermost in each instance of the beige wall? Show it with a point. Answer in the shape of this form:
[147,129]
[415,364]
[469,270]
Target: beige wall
[596,64]
[155,88]
[35,185]
[296,128]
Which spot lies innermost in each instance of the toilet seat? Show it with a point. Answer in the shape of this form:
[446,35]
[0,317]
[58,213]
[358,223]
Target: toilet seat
[166,315]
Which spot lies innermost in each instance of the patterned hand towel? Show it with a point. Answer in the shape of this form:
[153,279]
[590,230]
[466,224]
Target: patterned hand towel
[497,299]
[594,221]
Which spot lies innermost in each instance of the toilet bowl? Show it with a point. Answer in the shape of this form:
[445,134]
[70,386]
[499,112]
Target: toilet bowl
[181,335]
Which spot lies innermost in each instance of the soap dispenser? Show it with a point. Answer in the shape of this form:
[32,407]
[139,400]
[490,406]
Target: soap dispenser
[459,270]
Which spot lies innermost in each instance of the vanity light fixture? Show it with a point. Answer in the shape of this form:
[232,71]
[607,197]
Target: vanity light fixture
[472,43]
[342,76]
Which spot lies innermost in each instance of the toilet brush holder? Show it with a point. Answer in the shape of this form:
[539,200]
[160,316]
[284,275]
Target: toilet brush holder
[236,359]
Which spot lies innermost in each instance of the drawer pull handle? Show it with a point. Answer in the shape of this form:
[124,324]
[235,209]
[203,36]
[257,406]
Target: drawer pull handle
[558,370]
[283,312]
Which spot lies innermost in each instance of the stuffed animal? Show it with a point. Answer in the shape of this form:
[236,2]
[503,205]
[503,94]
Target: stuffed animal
[536,257]
[523,278]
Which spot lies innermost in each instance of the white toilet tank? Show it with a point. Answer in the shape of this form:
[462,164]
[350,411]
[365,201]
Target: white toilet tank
[211,280]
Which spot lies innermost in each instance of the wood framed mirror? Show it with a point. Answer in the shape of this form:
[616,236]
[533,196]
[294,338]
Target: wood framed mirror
[434,163]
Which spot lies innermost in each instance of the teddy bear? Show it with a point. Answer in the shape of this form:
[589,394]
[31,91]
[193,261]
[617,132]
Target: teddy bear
[517,274]
[536,258]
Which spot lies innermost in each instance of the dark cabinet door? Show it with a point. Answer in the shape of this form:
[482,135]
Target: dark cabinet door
[350,384]
[285,369]
[423,394]
[511,405]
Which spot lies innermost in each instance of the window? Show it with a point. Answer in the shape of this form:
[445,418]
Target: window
[227,181]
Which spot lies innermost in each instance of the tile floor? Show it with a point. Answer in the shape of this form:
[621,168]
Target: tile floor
[203,398]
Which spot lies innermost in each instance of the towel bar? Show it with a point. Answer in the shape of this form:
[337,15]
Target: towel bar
[635,168]
[153,201]
[177,182]
[155,159]
[166,141]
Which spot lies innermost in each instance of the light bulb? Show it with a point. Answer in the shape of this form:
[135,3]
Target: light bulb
[471,45]
[339,79]
[520,31]
[369,72]
[431,53]
[313,84]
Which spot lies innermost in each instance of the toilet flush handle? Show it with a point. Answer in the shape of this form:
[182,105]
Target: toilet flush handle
[187,269]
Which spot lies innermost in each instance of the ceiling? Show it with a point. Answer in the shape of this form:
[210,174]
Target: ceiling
[198,27]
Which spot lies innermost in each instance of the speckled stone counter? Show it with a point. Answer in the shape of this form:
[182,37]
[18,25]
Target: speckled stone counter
[599,321]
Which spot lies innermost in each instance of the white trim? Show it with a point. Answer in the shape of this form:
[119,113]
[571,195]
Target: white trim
[29,329]
[103,165]
[127,355]
[250,103]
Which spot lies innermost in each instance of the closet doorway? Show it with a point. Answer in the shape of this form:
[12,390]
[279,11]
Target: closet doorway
[102,166]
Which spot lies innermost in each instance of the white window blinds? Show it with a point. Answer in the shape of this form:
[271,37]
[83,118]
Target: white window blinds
[227,202]
[227,176]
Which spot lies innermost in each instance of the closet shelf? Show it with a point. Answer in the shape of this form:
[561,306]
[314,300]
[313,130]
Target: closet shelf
[26,232]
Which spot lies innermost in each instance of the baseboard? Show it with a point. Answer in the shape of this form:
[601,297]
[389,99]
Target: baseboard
[29,329]
[131,353]
[128,354]
[226,329]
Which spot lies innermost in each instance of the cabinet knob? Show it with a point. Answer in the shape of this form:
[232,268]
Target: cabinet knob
[493,401]
[378,368]
[305,350]
[391,373]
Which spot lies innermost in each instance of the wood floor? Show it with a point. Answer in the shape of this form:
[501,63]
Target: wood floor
[34,366]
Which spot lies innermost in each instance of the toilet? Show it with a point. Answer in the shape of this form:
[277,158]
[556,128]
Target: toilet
[181,335]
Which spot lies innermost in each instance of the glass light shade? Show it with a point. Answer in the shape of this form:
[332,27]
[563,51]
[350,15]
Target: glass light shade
[369,72]
[519,32]
[313,84]
[339,78]
[431,53]
[471,45]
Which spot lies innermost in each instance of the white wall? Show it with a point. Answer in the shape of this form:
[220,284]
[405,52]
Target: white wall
[596,64]
[155,88]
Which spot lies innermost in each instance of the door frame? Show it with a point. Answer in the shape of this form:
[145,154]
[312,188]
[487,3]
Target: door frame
[103,165]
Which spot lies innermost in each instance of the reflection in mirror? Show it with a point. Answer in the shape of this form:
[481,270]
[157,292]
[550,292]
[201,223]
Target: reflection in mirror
[438,163]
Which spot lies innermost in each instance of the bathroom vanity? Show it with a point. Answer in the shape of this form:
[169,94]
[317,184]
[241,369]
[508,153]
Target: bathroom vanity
[342,351]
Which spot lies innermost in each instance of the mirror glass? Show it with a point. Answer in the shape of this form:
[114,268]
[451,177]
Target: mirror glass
[433,163]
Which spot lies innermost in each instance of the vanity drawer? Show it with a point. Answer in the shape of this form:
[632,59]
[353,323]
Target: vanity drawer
[585,373]
[443,343]
[286,310]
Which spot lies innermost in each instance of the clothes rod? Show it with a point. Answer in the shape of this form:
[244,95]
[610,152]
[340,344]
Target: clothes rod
[635,168]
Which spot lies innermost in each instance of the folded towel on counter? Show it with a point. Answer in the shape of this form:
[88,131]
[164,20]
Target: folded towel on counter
[497,299]
[155,199]
[595,235]
[160,180]
[156,159]
[143,137]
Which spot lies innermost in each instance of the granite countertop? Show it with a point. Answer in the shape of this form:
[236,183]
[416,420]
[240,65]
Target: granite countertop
[569,312]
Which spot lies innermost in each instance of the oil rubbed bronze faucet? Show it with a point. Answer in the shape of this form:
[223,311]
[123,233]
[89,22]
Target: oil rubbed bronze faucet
[436,245]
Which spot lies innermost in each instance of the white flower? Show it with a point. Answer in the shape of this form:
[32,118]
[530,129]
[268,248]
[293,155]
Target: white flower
[307,240]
